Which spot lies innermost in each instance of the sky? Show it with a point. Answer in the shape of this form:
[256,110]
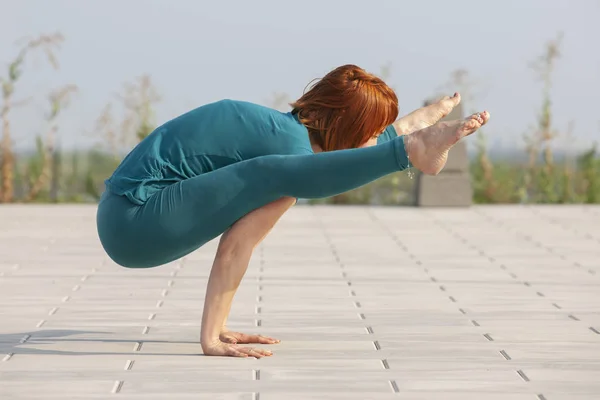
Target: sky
[201,51]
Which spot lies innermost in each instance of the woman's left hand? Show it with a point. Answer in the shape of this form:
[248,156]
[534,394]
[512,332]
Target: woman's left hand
[242,338]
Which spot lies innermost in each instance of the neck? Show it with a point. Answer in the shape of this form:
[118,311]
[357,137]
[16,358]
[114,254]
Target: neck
[316,148]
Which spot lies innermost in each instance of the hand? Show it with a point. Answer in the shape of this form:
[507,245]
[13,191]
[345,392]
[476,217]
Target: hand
[218,348]
[242,338]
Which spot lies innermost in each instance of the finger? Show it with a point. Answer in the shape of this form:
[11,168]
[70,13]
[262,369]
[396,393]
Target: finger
[250,352]
[247,339]
[228,339]
[235,353]
[258,353]
[239,338]
[266,340]
[243,338]
[264,352]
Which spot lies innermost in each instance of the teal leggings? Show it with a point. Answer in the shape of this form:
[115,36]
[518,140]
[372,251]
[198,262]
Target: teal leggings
[184,216]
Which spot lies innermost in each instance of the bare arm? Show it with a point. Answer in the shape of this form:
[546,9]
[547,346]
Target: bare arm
[230,264]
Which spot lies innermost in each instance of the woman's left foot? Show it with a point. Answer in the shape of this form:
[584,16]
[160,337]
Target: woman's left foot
[436,111]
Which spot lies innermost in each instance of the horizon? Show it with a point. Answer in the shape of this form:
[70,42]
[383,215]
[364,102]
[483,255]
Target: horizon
[197,53]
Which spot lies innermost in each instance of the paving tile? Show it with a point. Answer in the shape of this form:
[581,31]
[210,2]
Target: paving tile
[421,395]
[331,386]
[40,389]
[494,302]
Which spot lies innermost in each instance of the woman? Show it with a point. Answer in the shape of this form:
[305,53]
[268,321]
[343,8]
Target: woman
[233,168]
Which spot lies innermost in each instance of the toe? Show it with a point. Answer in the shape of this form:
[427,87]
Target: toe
[451,101]
[456,98]
[485,116]
[477,117]
[447,104]
[472,124]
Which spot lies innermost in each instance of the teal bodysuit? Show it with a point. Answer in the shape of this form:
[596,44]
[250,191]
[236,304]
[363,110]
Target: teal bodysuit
[196,175]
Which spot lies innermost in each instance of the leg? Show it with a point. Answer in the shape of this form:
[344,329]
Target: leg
[185,215]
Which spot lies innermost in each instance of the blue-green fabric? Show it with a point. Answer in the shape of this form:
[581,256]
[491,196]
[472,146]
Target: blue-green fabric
[388,134]
[198,174]
[203,140]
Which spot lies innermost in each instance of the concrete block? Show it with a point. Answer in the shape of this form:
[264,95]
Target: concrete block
[444,190]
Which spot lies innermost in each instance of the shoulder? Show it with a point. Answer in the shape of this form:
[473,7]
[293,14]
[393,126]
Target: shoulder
[260,115]
[284,132]
[242,106]
[293,134]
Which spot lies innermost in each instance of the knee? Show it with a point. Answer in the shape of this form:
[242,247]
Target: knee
[285,203]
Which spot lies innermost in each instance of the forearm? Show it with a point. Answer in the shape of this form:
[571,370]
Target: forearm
[231,262]
[225,277]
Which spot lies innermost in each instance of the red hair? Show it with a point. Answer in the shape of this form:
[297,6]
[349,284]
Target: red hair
[346,108]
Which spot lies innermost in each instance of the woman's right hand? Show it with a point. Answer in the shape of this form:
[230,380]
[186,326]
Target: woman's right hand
[218,348]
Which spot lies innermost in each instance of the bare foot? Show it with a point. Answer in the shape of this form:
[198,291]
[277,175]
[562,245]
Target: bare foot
[436,111]
[428,148]
[426,116]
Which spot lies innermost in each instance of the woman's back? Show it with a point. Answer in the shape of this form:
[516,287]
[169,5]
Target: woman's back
[205,139]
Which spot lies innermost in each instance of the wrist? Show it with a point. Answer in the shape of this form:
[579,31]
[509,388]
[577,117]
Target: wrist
[208,341]
[210,336]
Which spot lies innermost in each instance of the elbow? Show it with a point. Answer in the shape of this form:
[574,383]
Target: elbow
[233,246]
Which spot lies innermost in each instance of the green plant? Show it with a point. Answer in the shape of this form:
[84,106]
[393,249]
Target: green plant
[47,44]
[590,171]
[139,99]
[540,183]
[482,174]
[45,148]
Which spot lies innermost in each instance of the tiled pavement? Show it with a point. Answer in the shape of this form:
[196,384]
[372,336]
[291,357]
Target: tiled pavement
[370,303]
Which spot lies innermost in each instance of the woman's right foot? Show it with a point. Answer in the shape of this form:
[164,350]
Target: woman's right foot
[428,148]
